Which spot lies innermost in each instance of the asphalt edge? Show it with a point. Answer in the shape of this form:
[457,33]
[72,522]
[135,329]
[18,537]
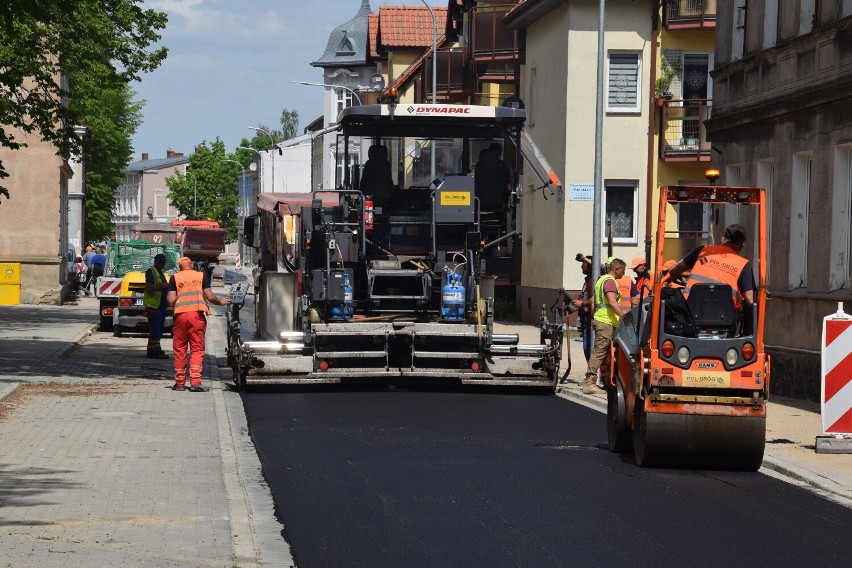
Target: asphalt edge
[256,533]
[772,466]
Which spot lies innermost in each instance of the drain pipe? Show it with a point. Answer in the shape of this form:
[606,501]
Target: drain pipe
[652,154]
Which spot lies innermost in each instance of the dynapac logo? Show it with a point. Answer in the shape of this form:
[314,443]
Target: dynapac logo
[438,110]
[706,365]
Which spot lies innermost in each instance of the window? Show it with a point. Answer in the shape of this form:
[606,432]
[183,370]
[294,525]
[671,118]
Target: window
[621,211]
[339,171]
[623,82]
[766,180]
[799,210]
[738,35]
[770,23]
[841,219]
[344,99]
[162,206]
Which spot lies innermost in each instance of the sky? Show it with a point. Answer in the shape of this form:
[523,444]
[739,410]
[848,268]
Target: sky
[230,64]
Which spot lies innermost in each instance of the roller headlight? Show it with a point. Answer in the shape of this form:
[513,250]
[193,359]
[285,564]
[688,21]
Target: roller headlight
[731,357]
[683,355]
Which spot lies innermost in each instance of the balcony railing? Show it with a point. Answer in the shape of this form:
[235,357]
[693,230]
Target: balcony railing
[682,134]
[492,40]
[451,85]
[685,14]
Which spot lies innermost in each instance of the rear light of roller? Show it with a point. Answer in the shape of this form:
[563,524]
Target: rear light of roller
[106,312]
[667,348]
[748,351]
[323,365]
[474,366]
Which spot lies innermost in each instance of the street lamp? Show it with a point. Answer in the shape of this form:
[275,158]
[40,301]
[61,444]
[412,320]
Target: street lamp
[259,155]
[194,193]
[434,71]
[272,150]
[354,94]
[242,168]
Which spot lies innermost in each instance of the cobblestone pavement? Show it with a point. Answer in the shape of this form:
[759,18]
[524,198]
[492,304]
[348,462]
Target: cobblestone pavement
[102,464]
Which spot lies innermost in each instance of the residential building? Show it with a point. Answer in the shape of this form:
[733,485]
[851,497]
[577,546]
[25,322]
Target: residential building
[558,88]
[143,196]
[681,99]
[34,220]
[346,76]
[782,119]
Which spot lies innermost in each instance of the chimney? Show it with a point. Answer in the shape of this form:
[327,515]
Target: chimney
[170,153]
[144,156]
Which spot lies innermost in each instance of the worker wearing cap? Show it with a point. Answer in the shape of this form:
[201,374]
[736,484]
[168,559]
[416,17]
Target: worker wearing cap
[156,289]
[666,268]
[607,313]
[189,292]
[721,264]
[644,279]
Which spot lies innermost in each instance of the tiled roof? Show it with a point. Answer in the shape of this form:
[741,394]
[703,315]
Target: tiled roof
[373,35]
[157,164]
[408,26]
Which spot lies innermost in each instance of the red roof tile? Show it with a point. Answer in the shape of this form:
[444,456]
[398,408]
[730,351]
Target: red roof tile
[408,26]
[373,35]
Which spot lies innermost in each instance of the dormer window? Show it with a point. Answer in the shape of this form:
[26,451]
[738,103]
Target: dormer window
[346,45]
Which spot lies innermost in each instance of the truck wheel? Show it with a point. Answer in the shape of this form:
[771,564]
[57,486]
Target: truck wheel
[616,419]
[117,330]
[106,323]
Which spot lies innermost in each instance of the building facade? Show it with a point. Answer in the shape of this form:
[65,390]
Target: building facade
[782,119]
[558,88]
[34,219]
[143,196]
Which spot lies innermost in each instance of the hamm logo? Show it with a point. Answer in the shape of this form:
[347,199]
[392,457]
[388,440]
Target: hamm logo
[706,365]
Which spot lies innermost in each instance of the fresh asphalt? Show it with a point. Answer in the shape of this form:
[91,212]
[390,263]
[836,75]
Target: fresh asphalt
[432,477]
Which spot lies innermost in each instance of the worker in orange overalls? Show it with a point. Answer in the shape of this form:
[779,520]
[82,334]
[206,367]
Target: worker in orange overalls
[189,292]
[721,264]
[644,279]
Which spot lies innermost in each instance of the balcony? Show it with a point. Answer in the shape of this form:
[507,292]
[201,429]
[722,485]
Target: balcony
[690,14]
[492,41]
[451,85]
[682,134]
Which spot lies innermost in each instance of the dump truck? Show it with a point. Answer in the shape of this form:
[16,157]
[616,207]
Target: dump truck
[121,289]
[690,378]
[390,276]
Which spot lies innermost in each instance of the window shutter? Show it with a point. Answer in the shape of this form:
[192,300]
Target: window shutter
[623,82]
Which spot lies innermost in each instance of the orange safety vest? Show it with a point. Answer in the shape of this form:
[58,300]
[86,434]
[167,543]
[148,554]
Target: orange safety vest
[624,285]
[718,264]
[190,296]
[647,281]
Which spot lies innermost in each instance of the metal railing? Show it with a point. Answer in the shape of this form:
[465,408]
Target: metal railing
[690,13]
[492,39]
[682,132]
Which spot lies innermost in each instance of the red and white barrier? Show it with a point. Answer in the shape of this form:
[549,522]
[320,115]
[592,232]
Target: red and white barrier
[836,391]
[238,262]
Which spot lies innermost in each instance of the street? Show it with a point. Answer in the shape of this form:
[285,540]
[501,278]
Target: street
[431,477]
[408,478]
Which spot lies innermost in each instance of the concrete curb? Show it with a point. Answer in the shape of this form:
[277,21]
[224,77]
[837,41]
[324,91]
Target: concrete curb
[9,390]
[256,532]
[772,465]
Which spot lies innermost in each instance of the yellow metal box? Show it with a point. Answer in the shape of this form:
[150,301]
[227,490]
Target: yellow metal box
[10,283]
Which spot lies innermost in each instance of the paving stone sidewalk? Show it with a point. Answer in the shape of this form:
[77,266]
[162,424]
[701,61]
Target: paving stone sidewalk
[102,464]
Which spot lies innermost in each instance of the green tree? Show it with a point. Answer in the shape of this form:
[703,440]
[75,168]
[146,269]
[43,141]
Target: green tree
[289,129]
[112,117]
[210,190]
[43,40]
